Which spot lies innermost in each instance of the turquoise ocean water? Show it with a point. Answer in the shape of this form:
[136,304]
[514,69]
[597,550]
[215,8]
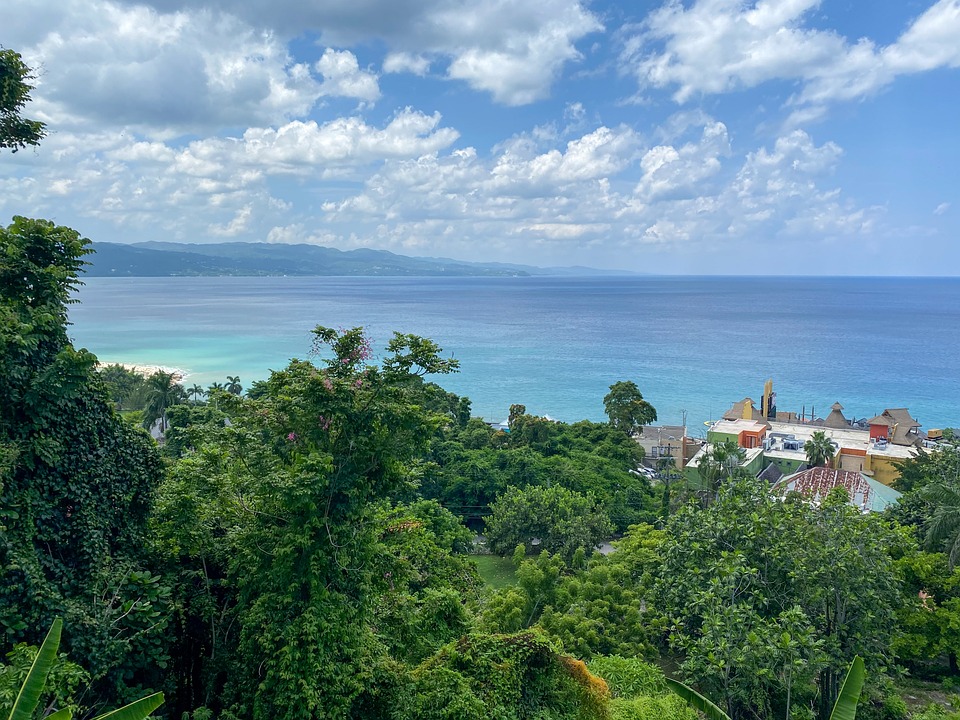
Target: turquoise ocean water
[556,344]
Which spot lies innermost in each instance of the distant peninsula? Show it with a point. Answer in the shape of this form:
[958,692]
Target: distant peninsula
[168,259]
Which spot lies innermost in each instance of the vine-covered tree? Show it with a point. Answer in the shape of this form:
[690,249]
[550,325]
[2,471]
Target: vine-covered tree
[75,480]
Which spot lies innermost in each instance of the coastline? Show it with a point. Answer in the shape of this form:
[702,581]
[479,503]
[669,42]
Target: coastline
[147,369]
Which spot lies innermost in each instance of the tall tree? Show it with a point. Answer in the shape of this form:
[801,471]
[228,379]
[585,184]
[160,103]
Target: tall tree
[75,480]
[233,385]
[301,469]
[163,391]
[196,392]
[746,578]
[718,464]
[562,520]
[626,408]
[819,449]
[16,131]
[943,526]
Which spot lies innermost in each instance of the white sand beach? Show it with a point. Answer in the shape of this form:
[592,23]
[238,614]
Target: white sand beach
[147,369]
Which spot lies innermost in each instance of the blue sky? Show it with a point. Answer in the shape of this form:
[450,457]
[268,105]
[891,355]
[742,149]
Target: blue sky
[713,136]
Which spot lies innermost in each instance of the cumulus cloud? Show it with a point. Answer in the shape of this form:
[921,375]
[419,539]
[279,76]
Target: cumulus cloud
[941,208]
[237,226]
[342,143]
[214,187]
[114,65]
[400,62]
[693,192]
[513,50]
[668,171]
[342,76]
[719,46]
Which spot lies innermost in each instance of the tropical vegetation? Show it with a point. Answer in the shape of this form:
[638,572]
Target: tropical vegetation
[304,550]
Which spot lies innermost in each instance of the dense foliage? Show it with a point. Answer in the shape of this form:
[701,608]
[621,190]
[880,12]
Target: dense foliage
[768,600]
[76,482]
[16,131]
[303,551]
[472,465]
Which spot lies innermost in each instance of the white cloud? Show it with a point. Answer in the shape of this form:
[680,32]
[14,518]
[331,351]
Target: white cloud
[214,187]
[668,171]
[239,225]
[514,50]
[400,62]
[941,208]
[692,193]
[342,76]
[105,64]
[930,42]
[720,46]
[347,142]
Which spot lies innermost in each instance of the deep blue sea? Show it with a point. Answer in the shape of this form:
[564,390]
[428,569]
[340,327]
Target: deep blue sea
[693,344]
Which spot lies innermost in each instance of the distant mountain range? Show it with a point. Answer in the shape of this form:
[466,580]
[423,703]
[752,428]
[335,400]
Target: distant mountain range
[165,259]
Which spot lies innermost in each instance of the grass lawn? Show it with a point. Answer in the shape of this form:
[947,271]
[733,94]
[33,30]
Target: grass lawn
[497,572]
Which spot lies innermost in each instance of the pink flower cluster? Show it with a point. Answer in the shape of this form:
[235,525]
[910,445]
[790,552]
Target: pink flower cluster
[292,437]
[323,422]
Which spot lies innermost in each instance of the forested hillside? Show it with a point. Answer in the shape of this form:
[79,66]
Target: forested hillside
[305,550]
[346,541]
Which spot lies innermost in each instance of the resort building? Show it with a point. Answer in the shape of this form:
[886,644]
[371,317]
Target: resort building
[855,450]
[896,426]
[666,442]
[874,447]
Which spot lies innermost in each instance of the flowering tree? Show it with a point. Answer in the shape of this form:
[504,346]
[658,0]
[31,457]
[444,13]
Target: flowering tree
[291,489]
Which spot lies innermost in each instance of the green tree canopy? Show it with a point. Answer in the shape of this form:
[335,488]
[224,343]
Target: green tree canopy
[16,131]
[763,595]
[562,520]
[626,408]
[295,483]
[75,481]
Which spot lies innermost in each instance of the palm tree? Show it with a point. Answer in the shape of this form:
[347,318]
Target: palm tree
[819,449]
[163,390]
[233,385]
[196,392]
[943,525]
[720,462]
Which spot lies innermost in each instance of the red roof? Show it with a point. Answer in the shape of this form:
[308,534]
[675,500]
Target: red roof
[817,482]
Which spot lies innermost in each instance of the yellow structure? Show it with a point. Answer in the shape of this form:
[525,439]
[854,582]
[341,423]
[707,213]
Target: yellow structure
[767,399]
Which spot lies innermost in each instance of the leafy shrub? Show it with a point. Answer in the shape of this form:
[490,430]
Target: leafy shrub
[629,677]
[504,676]
[647,707]
[935,712]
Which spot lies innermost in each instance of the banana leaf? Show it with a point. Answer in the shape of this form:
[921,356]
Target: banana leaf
[137,710]
[29,696]
[846,705]
[697,700]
